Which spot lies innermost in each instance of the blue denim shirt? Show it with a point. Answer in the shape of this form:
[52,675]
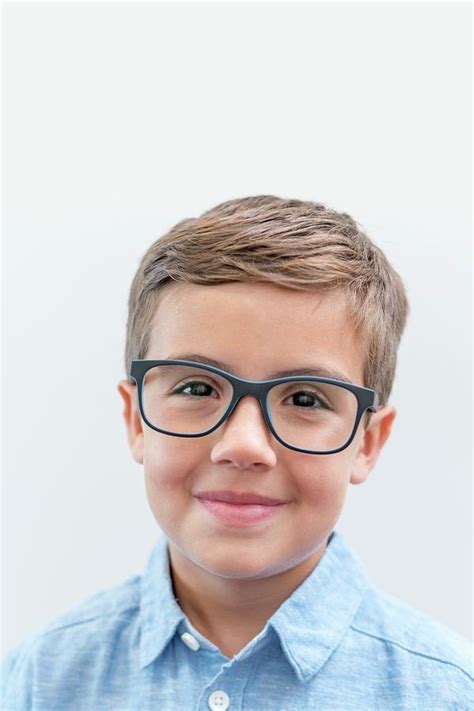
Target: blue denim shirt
[337,643]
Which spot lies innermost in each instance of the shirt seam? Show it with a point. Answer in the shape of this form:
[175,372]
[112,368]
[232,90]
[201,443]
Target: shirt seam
[413,651]
[115,613]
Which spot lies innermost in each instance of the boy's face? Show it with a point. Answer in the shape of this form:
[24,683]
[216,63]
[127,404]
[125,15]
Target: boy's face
[255,330]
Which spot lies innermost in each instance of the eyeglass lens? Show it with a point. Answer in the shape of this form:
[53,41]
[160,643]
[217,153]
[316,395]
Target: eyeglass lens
[183,399]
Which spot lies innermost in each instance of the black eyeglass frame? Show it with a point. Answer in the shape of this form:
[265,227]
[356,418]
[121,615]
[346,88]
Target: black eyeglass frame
[367,399]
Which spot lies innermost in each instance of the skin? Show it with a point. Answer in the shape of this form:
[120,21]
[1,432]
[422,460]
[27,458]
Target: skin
[228,580]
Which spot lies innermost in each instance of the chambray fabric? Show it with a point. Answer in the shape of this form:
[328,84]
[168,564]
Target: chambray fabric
[337,643]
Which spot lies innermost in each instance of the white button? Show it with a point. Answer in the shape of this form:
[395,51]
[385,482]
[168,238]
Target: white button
[218,701]
[191,641]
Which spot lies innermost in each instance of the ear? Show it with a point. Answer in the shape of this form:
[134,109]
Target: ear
[373,439]
[131,416]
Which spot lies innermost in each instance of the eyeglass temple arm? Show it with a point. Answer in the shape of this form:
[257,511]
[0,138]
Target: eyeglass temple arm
[376,404]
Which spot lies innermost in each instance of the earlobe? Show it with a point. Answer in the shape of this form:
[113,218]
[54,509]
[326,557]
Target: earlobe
[373,439]
[132,419]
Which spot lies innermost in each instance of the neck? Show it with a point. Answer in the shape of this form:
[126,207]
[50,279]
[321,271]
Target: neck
[229,611]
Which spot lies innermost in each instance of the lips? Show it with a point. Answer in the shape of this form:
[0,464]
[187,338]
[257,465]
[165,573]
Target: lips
[239,498]
[231,514]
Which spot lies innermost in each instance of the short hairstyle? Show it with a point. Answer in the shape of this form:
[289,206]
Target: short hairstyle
[296,244]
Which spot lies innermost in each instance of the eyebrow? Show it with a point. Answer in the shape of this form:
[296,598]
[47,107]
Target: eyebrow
[319,371]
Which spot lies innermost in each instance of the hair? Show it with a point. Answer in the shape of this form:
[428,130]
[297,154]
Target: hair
[290,243]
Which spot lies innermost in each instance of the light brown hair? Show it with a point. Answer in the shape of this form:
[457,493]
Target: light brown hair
[292,243]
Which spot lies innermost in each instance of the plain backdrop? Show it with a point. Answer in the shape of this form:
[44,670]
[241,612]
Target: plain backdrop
[120,119]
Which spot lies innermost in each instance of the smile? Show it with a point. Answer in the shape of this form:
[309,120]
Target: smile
[240,514]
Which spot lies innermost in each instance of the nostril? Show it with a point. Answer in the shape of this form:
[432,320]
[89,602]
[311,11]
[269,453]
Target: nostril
[245,442]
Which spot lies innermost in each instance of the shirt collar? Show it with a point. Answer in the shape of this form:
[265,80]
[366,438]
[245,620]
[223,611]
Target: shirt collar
[313,620]
[309,624]
[160,614]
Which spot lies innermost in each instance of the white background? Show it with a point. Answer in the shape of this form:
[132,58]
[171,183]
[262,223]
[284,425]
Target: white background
[122,119]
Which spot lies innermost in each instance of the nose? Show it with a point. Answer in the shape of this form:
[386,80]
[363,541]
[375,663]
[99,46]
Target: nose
[244,439]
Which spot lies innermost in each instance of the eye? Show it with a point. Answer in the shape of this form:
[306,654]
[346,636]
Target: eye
[196,389]
[308,400]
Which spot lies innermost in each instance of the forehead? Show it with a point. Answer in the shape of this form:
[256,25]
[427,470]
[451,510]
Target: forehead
[257,329]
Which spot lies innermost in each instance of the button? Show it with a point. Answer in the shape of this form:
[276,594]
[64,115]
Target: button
[218,701]
[191,642]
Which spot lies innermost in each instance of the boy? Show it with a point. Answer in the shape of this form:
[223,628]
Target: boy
[261,351]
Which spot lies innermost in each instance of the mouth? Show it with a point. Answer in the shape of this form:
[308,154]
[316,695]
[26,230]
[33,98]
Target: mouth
[238,514]
[236,497]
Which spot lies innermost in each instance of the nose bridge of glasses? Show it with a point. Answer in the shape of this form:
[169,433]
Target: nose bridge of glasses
[246,388]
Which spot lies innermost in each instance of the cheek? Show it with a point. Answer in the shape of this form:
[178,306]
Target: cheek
[324,481]
[169,463]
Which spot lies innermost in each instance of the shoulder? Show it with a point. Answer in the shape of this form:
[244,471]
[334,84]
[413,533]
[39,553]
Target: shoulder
[93,621]
[413,638]
[110,602]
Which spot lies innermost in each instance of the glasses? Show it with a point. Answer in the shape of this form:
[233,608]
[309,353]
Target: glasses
[308,414]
